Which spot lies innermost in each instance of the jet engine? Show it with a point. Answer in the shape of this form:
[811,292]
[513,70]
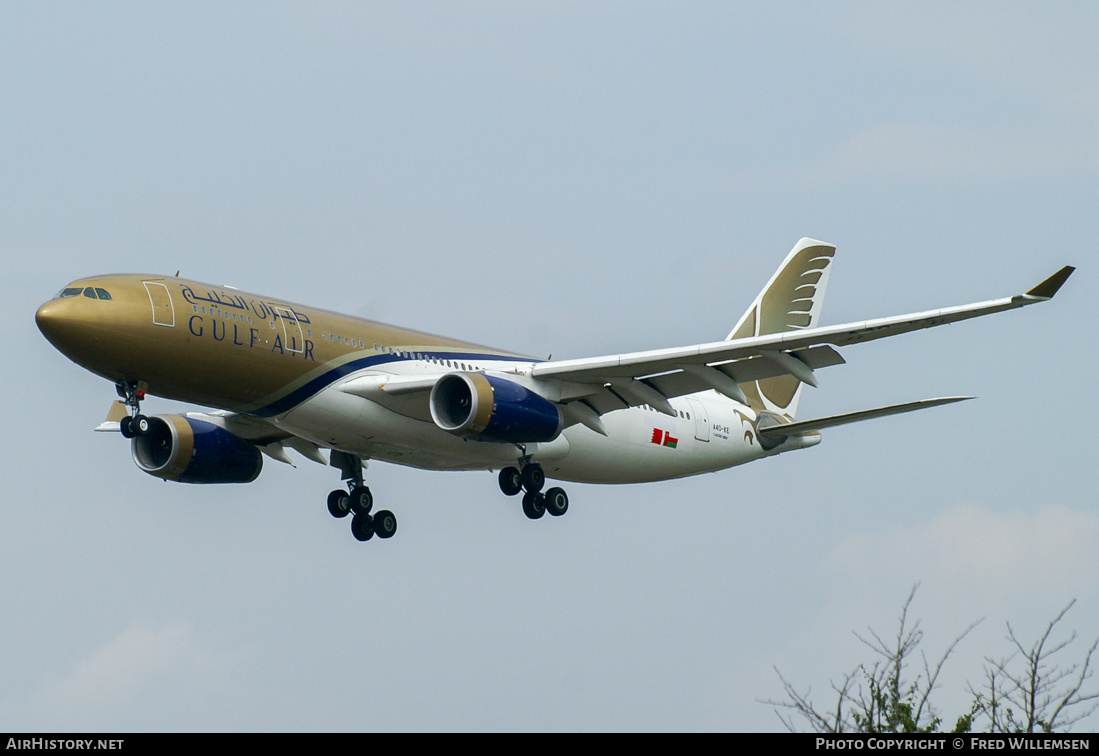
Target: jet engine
[194,451]
[493,409]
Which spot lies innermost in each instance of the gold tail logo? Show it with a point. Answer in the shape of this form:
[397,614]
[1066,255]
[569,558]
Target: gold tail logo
[790,301]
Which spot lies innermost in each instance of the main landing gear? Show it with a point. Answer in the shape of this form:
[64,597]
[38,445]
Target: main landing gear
[135,424]
[530,477]
[358,502]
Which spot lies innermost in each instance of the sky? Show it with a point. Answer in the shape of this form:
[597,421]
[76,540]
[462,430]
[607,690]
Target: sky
[574,179]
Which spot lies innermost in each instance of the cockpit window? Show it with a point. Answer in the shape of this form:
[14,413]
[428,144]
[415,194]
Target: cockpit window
[89,293]
[102,293]
[70,292]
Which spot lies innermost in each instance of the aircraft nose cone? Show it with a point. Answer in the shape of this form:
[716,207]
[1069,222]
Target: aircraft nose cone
[47,317]
[55,321]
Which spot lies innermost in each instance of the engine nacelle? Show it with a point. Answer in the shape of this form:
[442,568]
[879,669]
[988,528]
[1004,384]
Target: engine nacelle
[493,409]
[194,451]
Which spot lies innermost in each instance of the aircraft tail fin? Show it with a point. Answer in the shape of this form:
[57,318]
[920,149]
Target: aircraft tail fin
[791,301]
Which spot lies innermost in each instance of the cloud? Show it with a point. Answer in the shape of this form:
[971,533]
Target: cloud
[1020,552]
[118,675]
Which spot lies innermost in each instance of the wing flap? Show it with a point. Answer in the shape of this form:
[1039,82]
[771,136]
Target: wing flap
[268,438]
[689,380]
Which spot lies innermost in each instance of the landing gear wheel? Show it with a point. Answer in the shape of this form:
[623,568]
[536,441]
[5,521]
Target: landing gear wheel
[362,527]
[132,393]
[557,501]
[511,481]
[533,477]
[361,500]
[534,505]
[385,524]
[339,503]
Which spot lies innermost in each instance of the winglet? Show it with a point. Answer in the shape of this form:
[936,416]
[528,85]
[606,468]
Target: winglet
[1049,287]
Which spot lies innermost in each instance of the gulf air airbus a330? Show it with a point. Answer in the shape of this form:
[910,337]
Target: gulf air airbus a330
[286,376]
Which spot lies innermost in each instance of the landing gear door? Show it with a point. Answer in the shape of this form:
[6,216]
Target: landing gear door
[164,313]
[702,420]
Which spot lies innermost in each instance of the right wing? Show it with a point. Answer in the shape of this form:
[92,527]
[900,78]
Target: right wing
[652,377]
[589,387]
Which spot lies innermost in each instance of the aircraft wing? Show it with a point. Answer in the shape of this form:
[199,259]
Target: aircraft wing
[652,377]
[589,387]
[267,437]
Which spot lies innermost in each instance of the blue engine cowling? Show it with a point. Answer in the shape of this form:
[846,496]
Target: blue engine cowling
[194,451]
[493,409]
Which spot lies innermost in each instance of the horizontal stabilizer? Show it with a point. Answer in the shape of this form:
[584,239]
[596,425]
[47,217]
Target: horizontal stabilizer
[812,426]
[114,418]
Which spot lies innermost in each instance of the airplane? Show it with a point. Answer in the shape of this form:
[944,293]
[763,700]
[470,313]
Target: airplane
[282,376]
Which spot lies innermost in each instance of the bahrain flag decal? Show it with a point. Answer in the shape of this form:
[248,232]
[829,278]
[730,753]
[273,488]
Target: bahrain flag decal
[663,438]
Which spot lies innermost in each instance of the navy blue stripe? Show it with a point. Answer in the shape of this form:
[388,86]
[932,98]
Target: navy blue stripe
[323,381]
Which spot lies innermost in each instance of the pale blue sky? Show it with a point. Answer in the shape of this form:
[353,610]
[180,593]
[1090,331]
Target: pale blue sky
[566,178]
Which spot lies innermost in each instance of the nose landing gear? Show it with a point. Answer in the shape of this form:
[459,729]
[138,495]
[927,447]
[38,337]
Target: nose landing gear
[132,393]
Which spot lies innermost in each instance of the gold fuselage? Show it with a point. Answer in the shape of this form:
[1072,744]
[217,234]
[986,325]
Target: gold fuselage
[276,361]
[225,348]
